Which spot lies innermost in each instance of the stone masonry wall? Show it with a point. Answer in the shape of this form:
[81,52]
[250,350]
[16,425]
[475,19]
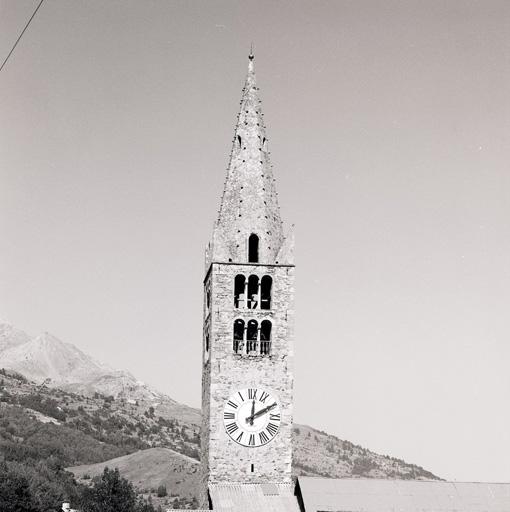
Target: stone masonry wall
[224,372]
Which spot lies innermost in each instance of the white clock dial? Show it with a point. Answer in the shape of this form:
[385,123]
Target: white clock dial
[252,417]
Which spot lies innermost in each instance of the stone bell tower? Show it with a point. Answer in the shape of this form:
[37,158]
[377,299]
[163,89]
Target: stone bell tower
[247,375]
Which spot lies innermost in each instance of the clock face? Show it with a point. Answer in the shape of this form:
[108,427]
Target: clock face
[252,417]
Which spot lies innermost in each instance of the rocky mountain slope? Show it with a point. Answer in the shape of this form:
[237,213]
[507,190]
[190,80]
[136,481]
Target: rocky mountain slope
[47,359]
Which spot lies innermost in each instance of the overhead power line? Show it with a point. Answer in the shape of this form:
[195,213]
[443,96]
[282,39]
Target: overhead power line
[21,35]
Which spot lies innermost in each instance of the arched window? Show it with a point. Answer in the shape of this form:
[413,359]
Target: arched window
[253,292]
[265,292]
[251,336]
[239,296]
[253,248]
[265,330]
[238,336]
[265,337]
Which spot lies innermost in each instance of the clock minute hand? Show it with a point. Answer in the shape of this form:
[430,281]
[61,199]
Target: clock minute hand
[263,411]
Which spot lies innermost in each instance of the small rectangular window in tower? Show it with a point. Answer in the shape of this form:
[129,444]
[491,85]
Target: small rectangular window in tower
[208,299]
[252,468]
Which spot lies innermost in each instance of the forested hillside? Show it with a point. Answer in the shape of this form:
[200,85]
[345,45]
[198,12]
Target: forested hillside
[44,430]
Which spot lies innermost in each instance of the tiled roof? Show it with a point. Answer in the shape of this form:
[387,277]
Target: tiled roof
[253,498]
[373,495]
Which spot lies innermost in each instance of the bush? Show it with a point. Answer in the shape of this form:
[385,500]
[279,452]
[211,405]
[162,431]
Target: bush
[162,491]
[47,406]
[363,465]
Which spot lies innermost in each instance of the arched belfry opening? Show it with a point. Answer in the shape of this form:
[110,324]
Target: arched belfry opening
[252,336]
[253,292]
[239,291]
[253,248]
[265,292]
[238,336]
[265,337]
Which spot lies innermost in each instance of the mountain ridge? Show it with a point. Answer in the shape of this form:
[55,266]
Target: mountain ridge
[47,359]
[10,336]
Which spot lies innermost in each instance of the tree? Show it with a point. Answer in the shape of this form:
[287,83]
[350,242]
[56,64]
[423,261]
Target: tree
[112,493]
[162,491]
[109,493]
[15,493]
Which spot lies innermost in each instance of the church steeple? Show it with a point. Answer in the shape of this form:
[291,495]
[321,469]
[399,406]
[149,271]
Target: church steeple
[248,327]
[249,206]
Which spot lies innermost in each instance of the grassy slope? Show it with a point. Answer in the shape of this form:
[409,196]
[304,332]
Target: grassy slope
[148,469]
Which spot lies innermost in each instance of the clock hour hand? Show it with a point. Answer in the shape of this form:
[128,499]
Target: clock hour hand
[252,416]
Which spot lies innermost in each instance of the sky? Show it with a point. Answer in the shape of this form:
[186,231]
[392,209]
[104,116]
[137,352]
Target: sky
[389,124]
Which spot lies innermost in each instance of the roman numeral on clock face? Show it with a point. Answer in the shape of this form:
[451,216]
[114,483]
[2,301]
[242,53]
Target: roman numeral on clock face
[232,427]
[252,394]
[239,438]
[232,404]
[251,442]
[272,429]
[229,415]
[274,417]
[263,438]
[263,397]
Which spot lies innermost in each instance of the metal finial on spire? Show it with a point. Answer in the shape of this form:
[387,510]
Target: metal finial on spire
[250,61]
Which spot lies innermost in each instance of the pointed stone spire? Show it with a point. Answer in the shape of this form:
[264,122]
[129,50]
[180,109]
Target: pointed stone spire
[249,204]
